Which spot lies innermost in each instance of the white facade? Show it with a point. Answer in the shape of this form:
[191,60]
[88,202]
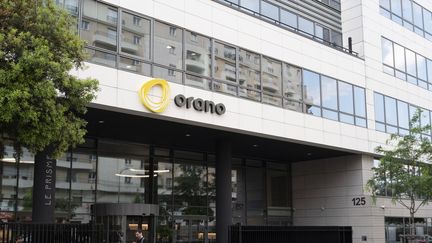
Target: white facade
[323,190]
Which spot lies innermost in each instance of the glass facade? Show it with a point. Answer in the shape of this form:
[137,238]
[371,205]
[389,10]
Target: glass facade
[410,15]
[406,64]
[397,226]
[107,171]
[288,19]
[393,116]
[153,48]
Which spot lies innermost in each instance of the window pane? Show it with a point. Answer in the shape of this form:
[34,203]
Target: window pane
[269,10]
[99,25]
[390,111]
[429,70]
[427,17]
[359,102]
[225,62]
[346,98]
[272,100]
[418,17]
[399,57]
[410,62]
[385,4]
[168,45]
[249,68]
[306,26]
[387,52]
[403,116]
[224,88]
[288,18]
[250,94]
[346,118]
[134,66]
[333,115]
[336,38]
[135,35]
[379,107]
[407,10]
[102,58]
[168,74]
[199,82]
[421,67]
[271,75]
[329,92]
[311,91]
[198,54]
[292,82]
[425,118]
[396,7]
[252,5]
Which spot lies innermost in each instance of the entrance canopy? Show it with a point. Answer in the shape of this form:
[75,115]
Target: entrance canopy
[156,130]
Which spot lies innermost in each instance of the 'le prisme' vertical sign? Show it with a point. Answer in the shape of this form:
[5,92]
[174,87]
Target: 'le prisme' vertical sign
[180,100]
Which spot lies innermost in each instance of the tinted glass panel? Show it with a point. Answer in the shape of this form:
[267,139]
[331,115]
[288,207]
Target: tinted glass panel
[407,10]
[399,57]
[288,18]
[427,19]
[269,10]
[421,67]
[410,62]
[379,107]
[198,54]
[403,116]
[360,101]
[292,84]
[390,111]
[346,98]
[418,15]
[168,45]
[249,69]
[385,4]
[225,62]
[329,92]
[252,5]
[311,90]
[135,36]
[271,75]
[387,52]
[306,26]
[429,70]
[396,7]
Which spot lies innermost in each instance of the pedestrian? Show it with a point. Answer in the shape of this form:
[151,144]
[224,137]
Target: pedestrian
[139,237]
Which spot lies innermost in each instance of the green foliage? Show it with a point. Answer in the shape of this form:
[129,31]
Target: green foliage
[405,168]
[40,102]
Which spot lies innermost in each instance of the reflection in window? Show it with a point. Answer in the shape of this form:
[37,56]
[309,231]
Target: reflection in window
[271,76]
[252,5]
[168,74]
[346,98]
[288,18]
[311,91]
[168,45]
[101,30]
[134,66]
[225,62]
[198,54]
[269,10]
[135,35]
[306,26]
[292,85]
[329,92]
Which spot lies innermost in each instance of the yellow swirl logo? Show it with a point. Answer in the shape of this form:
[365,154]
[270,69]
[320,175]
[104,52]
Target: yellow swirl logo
[157,106]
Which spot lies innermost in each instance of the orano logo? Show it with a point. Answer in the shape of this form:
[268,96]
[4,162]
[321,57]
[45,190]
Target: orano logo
[155,106]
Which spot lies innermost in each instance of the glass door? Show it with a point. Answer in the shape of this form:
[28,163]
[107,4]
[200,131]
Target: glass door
[190,230]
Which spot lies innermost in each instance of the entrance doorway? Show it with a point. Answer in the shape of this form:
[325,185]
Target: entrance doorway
[192,229]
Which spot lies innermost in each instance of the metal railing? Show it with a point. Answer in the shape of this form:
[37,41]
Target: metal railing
[50,233]
[291,234]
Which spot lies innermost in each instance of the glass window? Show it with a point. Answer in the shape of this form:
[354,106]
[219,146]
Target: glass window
[190,190]
[101,30]
[168,45]
[196,81]
[410,62]
[385,4]
[135,36]
[399,56]
[346,98]
[288,18]
[306,26]
[311,90]
[198,54]
[421,67]
[249,69]
[359,101]
[135,66]
[292,83]
[271,76]
[418,16]
[103,58]
[387,52]
[379,107]
[329,92]
[427,17]
[390,111]
[429,70]
[269,10]
[225,62]
[336,38]
[396,7]
[252,5]
[407,10]
[168,74]
[425,118]
[403,116]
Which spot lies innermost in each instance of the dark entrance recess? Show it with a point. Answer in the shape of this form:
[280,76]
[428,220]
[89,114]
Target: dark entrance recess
[293,234]
[140,129]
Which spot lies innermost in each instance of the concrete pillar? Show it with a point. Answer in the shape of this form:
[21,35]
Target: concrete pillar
[44,189]
[223,190]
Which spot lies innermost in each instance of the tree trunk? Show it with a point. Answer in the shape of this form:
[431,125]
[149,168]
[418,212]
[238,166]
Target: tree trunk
[44,188]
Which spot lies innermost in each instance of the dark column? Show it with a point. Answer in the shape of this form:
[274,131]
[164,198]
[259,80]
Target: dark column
[44,189]
[223,190]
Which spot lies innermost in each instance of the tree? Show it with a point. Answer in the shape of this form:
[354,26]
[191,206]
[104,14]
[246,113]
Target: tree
[405,169]
[41,104]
